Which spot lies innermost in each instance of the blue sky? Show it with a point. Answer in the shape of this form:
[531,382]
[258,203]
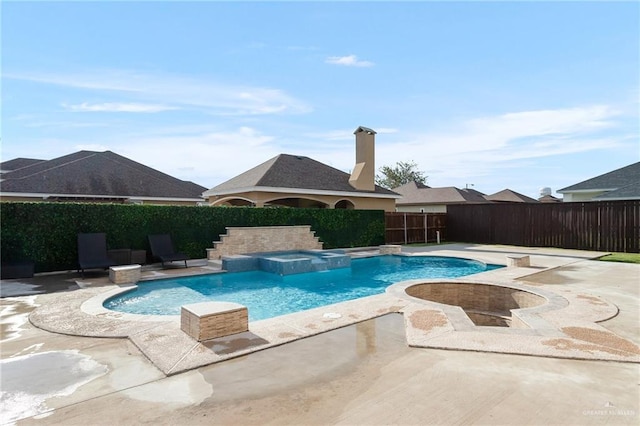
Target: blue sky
[518,95]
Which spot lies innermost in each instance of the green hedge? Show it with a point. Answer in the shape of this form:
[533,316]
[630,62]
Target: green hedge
[46,233]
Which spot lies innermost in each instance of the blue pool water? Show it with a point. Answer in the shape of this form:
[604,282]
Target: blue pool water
[268,295]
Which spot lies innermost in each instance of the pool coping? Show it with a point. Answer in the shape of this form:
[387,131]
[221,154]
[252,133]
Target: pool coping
[568,331]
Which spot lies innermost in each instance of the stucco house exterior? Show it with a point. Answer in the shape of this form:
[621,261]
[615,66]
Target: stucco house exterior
[298,181]
[619,184]
[98,177]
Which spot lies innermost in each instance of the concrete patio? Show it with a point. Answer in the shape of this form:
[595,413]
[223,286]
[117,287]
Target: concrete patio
[364,373]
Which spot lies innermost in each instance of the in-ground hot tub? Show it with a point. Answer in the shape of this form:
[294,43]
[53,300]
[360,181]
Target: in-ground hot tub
[484,304]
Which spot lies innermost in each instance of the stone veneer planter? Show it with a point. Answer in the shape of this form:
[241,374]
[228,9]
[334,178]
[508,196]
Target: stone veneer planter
[124,274]
[208,320]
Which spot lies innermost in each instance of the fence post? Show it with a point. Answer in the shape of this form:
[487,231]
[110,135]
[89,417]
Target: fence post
[405,228]
[425,228]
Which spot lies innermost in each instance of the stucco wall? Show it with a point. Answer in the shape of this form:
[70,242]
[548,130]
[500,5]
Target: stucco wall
[261,198]
[581,196]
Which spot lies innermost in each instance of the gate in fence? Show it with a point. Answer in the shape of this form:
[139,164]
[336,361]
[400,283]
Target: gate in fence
[410,228]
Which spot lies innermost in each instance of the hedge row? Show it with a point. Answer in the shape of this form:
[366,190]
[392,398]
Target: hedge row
[46,233]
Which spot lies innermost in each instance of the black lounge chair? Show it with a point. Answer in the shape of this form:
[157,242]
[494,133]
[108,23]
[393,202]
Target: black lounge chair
[92,252]
[162,248]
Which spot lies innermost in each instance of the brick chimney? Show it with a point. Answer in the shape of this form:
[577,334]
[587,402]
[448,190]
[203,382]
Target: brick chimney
[363,175]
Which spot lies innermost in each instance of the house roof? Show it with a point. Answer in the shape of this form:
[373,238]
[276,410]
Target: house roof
[413,193]
[94,174]
[507,195]
[17,163]
[613,180]
[549,199]
[292,172]
[629,192]
[473,191]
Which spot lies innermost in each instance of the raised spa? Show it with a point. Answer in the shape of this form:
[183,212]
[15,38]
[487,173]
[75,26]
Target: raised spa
[484,304]
[287,262]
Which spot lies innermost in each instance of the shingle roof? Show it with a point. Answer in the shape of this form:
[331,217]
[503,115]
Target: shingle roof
[473,191]
[89,173]
[549,199]
[613,180]
[413,193]
[510,196]
[629,192]
[295,172]
[18,163]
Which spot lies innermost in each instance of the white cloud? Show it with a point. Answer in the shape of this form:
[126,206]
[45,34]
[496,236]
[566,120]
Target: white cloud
[210,156]
[478,147]
[348,61]
[488,151]
[119,107]
[212,96]
[63,124]
[385,130]
[206,158]
[332,135]
[537,123]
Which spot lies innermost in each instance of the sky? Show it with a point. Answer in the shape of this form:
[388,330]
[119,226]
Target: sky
[485,95]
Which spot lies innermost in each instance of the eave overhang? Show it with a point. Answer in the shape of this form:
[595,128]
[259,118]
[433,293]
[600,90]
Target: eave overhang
[299,191]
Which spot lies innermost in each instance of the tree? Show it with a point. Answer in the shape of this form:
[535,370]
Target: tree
[401,173]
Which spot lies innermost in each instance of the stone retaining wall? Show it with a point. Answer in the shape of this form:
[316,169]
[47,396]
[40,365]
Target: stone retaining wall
[240,240]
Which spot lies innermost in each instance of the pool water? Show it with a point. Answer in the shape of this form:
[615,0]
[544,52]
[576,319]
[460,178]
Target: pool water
[268,295]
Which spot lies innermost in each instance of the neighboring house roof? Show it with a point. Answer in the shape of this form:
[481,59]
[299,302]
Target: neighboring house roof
[416,194]
[611,181]
[17,163]
[629,192]
[549,199]
[89,174]
[473,191]
[295,174]
[507,195]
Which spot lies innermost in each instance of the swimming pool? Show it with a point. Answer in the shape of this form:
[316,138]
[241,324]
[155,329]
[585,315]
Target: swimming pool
[268,295]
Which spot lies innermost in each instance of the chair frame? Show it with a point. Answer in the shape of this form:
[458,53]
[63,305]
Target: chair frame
[162,248]
[92,252]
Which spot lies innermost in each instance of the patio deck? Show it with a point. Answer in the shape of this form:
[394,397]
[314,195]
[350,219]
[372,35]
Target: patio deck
[354,374]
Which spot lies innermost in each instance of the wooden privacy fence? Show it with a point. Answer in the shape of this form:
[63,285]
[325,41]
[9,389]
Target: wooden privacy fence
[407,228]
[602,226]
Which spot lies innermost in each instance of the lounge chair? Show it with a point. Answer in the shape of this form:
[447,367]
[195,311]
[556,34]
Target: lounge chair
[92,252]
[162,248]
